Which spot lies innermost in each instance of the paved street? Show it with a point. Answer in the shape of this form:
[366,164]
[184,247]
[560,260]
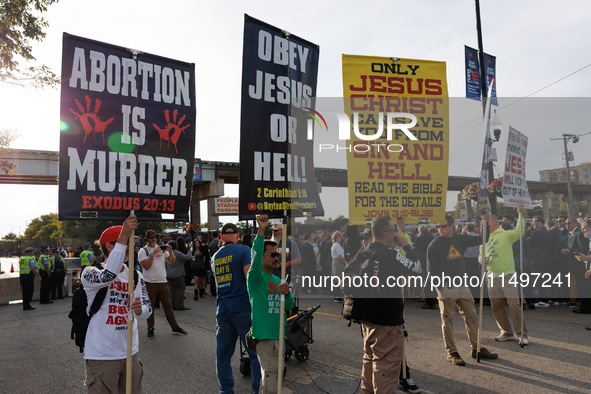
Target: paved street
[39,357]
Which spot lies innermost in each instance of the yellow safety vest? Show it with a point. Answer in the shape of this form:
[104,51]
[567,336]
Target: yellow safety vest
[40,264]
[25,267]
[84,259]
[52,263]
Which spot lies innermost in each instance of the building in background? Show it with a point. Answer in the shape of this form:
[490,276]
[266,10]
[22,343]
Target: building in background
[579,174]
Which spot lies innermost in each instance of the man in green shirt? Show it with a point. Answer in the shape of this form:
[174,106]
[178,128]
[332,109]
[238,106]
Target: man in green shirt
[502,280]
[265,291]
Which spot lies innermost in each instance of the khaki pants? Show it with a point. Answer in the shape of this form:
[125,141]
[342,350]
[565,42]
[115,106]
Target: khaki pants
[268,355]
[448,300]
[383,348]
[161,291]
[498,291]
[108,376]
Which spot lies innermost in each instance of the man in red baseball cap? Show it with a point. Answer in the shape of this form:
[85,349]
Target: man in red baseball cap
[105,347]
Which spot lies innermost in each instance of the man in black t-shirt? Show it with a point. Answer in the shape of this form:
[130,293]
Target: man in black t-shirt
[383,333]
[445,258]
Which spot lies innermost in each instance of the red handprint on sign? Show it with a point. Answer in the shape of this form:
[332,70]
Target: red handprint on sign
[165,132]
[86,116]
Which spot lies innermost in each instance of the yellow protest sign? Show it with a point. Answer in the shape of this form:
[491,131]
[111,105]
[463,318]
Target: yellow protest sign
[398,152]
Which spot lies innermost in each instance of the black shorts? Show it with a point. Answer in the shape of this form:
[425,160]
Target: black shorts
[199,272]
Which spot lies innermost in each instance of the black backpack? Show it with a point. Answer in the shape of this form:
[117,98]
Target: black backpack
[80,320]
[360,303]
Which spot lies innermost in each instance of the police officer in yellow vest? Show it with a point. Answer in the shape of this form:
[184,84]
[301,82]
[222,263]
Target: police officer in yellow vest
[28,271]
[43,264]
[57,266]
[87,257]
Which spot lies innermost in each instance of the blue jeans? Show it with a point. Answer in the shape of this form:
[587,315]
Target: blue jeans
[229,326]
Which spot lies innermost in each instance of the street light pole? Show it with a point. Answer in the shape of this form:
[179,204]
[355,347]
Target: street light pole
[491,174]
[481,58]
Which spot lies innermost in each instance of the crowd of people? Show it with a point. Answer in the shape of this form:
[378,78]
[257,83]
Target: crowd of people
[555,251]
[244,276]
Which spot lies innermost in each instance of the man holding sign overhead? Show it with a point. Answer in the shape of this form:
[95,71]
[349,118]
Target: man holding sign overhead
[265,291]
[106,337]
[502,278]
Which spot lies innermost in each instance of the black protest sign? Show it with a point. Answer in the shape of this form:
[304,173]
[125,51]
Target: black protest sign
[127,137]
[279,74]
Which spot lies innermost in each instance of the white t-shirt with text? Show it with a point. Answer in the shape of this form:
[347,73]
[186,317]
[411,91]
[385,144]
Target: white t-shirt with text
[106,337]
[157,272]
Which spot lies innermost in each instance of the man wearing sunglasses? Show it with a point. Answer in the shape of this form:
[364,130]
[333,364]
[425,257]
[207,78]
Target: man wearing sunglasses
[294,256]
[383,331]
[265,291]
[153,259]
[445,257]
[230,265]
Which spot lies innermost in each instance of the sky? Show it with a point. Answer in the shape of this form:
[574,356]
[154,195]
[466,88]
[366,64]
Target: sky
[536,42]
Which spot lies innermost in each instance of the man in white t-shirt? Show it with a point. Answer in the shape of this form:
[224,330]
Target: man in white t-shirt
[153,260]
[105,347]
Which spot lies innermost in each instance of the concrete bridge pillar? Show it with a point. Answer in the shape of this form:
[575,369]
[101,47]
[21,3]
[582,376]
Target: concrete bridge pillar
[208,191]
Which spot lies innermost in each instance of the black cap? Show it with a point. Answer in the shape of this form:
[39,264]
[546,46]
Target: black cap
[43,249]
[229,228]
[29,250]
[87,245]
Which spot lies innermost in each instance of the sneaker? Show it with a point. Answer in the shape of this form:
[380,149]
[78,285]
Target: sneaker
[150,333]
[338,299]
[571,305]
[179,331]
[554,303]
[541,304]
[503,338]
[456,359]
[409,386]
[525,341]
[484,353]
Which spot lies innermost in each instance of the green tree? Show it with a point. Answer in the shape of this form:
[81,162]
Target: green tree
[457,209]
[19,24]
[48,226]
[10,235]
[6,137]
[503,210]
[42,227]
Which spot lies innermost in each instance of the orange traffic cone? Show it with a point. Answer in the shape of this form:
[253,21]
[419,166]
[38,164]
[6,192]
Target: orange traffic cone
[11,268]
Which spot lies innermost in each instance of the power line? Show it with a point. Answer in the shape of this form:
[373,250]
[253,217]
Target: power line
[529,95]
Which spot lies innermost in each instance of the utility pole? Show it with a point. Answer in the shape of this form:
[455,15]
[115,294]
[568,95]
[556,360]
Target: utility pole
[568,180]
[566,138]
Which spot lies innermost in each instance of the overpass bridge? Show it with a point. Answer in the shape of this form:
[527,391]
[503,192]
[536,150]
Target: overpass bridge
[38,167]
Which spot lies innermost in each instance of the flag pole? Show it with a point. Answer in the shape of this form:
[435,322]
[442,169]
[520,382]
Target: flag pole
[483,208]
[282,308]
[483,263]
[403,344]
[130,274]
[521,271]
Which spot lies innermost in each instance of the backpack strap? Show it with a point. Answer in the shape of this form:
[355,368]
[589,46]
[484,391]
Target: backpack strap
[98,300]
